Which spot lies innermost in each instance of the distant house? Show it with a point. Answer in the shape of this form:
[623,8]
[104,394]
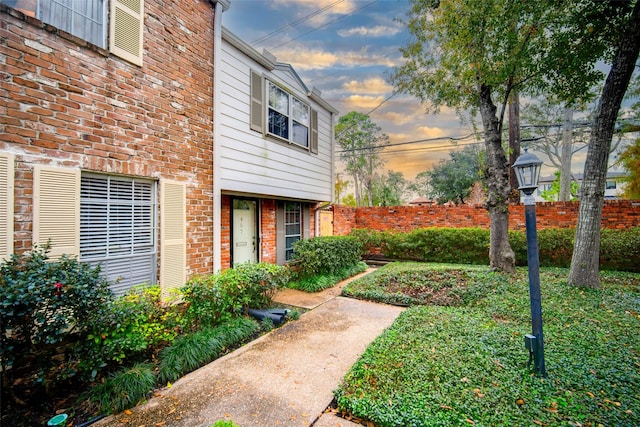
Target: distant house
[152,142]
[613,188]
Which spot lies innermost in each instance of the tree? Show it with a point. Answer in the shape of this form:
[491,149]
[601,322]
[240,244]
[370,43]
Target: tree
[630,159]
[361,141]
[471,54]
[339,186]
[585,261]
[389,189]
[421,185]
[453,179]
[553,194]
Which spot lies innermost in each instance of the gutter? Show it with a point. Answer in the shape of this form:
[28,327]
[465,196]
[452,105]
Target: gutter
[220,6]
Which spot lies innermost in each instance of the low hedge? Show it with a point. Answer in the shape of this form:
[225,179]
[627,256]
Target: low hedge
[619,249]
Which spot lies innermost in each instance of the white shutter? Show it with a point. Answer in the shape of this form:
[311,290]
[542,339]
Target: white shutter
[313,145]
[173,246]
[6,205]
[56,210]
[257,103]
[126,27]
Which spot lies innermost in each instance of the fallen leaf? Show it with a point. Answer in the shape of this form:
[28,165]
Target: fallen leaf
[168,385]
[470,421]
[161,423]
[520,402]
[540,423]
[446,407]
[591,395]
[128,411]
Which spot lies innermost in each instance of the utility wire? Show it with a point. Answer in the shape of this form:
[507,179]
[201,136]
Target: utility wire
[294,23]
[324,25]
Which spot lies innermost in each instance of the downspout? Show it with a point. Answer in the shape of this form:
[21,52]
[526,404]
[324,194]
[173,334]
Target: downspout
[220,6]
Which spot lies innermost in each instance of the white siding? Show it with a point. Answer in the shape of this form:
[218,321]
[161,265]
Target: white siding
[253,163]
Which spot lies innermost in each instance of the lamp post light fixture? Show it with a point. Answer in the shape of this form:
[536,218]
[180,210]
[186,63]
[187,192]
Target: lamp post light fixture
[527,167]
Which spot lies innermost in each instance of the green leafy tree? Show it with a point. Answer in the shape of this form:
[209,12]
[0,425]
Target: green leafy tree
[472,54]
[453,179]
[421,185]
[349,200]
[624,47]
[389,189]
[361,141]
[630,159]
[340,187]
[553,194]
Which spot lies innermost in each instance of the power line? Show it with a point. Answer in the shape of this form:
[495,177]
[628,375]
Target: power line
[324,25]
[441,138]
[294,23]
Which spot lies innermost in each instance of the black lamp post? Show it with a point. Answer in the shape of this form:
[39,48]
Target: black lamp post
[527,167]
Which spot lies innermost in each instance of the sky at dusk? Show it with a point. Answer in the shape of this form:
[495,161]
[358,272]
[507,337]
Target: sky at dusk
[347,49]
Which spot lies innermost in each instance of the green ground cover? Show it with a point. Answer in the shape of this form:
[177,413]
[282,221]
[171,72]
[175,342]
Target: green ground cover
[456,356]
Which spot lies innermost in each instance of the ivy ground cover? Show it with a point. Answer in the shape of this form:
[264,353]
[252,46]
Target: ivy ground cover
[456,356]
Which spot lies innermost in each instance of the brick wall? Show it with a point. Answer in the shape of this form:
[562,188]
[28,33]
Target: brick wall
[66,103]
[616,214]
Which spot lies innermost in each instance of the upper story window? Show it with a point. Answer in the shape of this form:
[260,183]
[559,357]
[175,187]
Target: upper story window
[288,117]
[610,185]
[89,20]
[282,114]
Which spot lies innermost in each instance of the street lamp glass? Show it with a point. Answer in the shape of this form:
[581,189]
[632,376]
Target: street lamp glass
[527,167]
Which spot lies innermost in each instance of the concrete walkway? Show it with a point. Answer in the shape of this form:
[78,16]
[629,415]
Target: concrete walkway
[284,378]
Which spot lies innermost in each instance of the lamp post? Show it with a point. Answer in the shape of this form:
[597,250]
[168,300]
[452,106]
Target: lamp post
[527,167]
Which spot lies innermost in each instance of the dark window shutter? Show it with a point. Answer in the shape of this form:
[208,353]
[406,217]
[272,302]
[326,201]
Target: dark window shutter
[313,145]
[257,103]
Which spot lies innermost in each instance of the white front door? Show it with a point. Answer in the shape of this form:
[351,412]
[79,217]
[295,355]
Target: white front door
[244,231]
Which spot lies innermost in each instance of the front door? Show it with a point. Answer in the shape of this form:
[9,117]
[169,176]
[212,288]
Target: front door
[245,245]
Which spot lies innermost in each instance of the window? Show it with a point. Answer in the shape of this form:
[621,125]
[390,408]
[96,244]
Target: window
[118,228]
[292,226]
[610,185]
[288,117]
[88,20]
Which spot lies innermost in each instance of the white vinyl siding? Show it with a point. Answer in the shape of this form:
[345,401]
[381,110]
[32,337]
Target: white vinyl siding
[126,29]
[56,210]
[118,229]
[173,235]
[6,205]
[254,162]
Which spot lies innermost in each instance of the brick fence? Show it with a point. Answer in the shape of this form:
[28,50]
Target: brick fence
[619,214]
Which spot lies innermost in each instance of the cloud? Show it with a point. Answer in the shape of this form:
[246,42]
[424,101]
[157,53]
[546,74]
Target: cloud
[308,59]
[318,12]
[360,102]
[377,31]
[372,85]
[431,132]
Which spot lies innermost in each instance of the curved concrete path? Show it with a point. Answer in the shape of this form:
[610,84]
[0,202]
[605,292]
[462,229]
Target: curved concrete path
[284,378]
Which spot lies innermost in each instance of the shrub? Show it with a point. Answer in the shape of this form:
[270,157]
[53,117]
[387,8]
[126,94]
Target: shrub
[217,298]
[132,324]
[619,249]
[319,282]
[44,305]
[326,255]
[191,351]
[124,389]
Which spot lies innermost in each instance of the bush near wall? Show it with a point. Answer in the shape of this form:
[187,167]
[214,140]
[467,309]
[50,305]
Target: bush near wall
[325,255]
[619,249]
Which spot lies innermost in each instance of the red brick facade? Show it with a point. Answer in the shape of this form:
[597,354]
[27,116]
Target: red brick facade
[64,102]
[616,214]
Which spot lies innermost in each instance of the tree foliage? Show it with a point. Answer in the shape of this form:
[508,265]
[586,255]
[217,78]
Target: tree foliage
[389,189]
[630,159]
[453,179]
[361,141]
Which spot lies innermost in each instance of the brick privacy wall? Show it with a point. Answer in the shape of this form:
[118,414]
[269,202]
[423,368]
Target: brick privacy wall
[66,103]
[618,214]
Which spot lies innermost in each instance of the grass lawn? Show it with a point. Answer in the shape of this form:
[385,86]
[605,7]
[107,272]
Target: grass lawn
[456,356]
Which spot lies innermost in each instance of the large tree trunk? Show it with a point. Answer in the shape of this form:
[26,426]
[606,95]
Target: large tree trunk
[565,159]
[585,262]
[501,255]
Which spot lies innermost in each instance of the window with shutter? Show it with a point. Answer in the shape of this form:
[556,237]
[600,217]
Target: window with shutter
[126,28]
[56,209]
[173,247]
[118,229]
[6,205]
